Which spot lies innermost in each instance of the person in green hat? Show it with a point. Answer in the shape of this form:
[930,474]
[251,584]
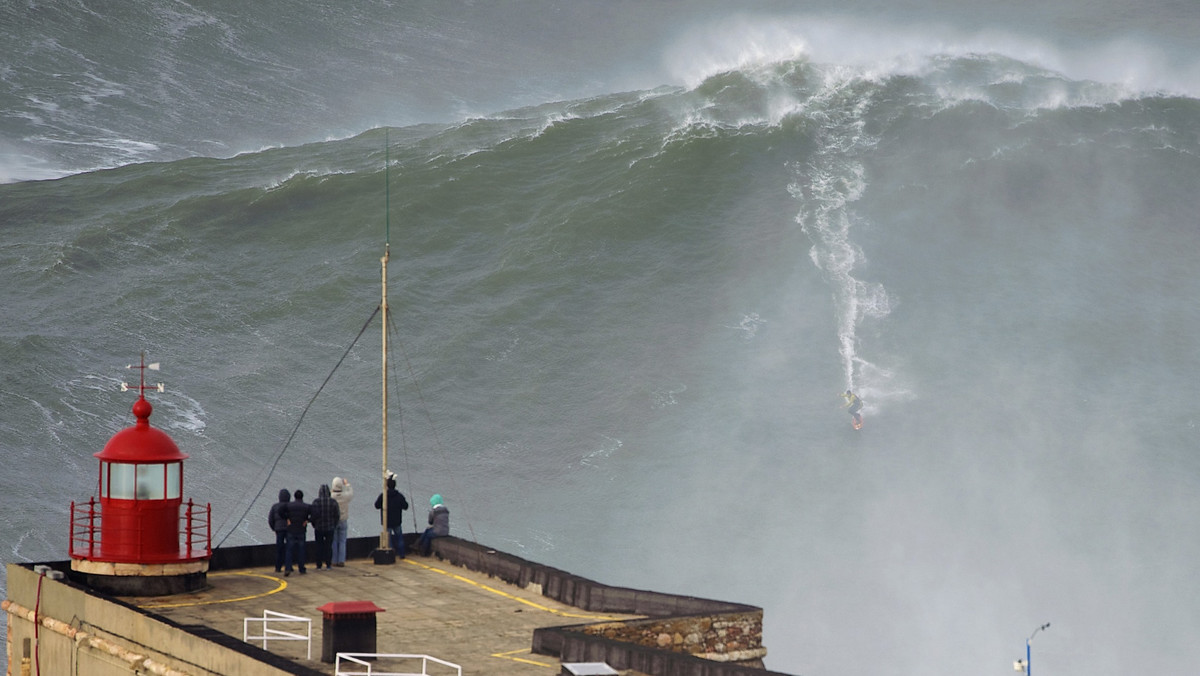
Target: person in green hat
[439,524]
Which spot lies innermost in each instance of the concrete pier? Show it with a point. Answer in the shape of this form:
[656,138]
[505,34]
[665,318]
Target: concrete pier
[487,611]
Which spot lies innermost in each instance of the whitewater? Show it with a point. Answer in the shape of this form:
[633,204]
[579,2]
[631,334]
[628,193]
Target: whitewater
[637,254]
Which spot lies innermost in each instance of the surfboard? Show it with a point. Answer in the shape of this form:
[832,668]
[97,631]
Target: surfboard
[856,423]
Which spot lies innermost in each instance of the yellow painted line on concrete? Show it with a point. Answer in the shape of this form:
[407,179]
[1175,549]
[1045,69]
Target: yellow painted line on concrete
[506,595]
[509,656]
[282,585]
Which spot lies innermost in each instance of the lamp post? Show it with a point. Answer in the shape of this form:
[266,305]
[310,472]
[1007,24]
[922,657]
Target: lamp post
[1023,665]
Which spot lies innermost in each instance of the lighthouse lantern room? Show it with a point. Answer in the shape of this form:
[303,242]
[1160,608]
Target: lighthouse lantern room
[140,538]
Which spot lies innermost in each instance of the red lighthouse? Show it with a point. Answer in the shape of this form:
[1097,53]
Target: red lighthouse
[140,538]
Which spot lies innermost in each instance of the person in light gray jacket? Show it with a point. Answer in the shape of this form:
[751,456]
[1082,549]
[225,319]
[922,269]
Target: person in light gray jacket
[342,493]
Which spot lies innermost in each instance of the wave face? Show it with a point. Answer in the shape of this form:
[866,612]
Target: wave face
[622,322]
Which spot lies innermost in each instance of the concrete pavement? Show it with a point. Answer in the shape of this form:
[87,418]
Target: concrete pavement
[429,607]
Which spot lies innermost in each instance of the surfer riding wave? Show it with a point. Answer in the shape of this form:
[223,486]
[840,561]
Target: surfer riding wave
[855,404]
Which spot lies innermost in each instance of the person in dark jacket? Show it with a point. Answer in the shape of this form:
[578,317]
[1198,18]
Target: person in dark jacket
[395,514]
[325,516]
[298,516]
[277,519]
[439,524]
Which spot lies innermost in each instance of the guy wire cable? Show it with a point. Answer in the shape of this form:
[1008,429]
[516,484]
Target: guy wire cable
[436,439]
[295,429]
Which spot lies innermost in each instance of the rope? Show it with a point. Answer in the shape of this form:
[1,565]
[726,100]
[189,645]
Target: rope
[295,429]
[404,440]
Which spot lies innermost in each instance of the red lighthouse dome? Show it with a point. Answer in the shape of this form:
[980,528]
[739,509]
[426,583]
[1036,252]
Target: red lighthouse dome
[141,443]
[140,537]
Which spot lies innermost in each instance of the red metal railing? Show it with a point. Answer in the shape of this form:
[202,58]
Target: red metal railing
[87,542]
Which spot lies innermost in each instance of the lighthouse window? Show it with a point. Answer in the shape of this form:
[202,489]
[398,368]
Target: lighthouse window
[174,481]
[120,481]
[150,482]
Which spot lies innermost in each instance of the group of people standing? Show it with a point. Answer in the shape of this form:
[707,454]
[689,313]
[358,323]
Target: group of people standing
[329,513]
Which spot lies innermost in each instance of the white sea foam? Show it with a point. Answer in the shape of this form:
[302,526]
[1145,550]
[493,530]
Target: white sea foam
[606,449]
[827,186]
[185,413]
[22,167]
[878,49]
[749,325]
[132,150]
[665,398]
[180,18]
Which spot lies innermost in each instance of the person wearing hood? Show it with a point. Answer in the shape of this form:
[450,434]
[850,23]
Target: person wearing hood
[277,520]
[325,516]
[297,531]
[342,493]
[439,524]
[395,514]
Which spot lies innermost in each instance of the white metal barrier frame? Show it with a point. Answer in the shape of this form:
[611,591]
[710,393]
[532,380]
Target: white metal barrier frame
[271,617]
[360,659]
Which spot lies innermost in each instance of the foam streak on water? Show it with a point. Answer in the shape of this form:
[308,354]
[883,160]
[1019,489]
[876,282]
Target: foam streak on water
[827,185]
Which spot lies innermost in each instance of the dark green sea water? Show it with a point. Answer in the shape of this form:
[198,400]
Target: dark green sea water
[627,292]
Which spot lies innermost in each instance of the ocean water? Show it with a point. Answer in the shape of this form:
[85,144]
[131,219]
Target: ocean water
[637,251]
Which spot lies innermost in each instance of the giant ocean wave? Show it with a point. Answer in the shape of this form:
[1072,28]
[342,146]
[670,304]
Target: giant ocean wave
[626,315]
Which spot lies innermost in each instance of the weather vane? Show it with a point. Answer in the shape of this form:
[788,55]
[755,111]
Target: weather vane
[142,381]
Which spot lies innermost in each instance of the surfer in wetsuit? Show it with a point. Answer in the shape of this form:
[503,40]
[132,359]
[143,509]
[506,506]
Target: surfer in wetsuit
[855,405]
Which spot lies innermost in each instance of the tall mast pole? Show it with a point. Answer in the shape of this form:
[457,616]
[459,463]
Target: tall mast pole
[383,534]
[384,545]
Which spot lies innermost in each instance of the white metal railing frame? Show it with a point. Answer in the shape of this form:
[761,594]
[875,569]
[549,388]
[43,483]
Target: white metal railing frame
[271,634]
[356,659]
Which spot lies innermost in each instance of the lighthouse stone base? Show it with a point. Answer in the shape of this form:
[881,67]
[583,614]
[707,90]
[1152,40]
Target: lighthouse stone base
[142,579]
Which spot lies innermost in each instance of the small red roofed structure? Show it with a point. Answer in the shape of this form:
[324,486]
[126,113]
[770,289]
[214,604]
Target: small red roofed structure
[140,538]
[349,627]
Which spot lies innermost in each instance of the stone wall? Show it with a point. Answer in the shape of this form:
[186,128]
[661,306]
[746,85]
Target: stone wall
[729,637]
[73,630]
[682,635]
